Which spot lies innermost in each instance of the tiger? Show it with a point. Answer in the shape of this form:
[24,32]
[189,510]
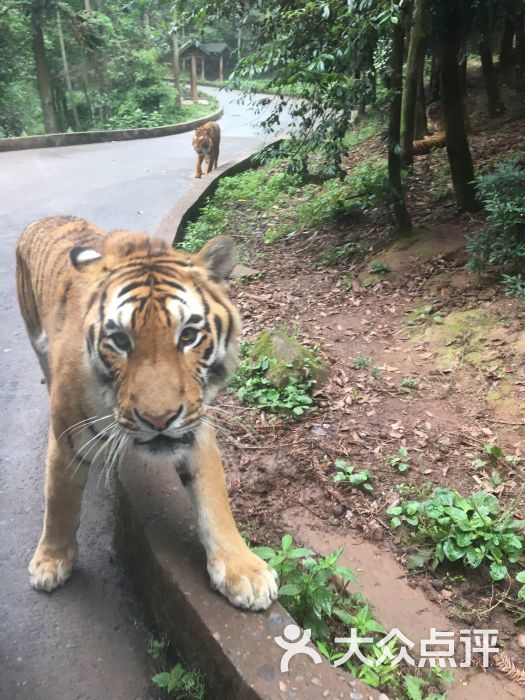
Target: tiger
[435,118]
[429,143]
[206,141]
[134,339]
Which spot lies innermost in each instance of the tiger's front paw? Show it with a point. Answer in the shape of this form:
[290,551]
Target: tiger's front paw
[244,579]
[49,569]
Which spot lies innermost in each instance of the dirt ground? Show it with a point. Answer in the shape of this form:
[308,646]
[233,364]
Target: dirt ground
[459,339]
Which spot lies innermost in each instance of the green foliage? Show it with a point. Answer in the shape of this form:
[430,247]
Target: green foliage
[304,578]
[520,578]
[471,530]
[314,591]
[379,267]
[157,650]
[346,474]
[401,461]
[362,362]
[259,189]
[181,683]
[500,243]
[514,286]
[255,387]
[410,383]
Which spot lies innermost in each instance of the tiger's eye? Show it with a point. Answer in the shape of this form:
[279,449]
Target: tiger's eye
[188,335]
[121,341]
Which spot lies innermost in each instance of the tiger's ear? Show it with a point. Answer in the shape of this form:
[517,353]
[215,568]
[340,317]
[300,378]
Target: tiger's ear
[81,257]
[218,256]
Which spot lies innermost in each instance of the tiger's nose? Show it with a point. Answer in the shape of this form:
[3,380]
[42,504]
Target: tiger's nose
[159,422]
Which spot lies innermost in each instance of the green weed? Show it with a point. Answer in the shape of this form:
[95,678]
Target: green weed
[401,461]
[346,474]
[181,683]
[470,530]
[254,386]
[362,362]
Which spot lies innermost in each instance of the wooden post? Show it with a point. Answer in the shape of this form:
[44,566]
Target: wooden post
[221,67]
[203,77]
[194,77]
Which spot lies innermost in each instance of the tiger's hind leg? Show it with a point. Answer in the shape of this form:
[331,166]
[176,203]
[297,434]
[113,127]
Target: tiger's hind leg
[242,577]
[57,549]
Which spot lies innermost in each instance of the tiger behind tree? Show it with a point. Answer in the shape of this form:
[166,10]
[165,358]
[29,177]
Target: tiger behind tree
[206,141]
[135,339]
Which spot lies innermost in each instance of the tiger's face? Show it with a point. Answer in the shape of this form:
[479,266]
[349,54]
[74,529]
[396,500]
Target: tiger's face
[202,143]
[160,335]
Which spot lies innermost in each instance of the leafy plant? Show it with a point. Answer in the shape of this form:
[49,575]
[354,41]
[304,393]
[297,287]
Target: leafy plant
[401,461]
[472,530]
[501,243]
[314,591]
[181,683]
[255,387]
[362,362]
[520,578]
[157,649]
[410,383]
[514,286]
[304,584]
[379,267]
[346,473]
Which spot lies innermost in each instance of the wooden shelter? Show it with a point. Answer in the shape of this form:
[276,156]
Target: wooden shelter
[219,51]
[192,52]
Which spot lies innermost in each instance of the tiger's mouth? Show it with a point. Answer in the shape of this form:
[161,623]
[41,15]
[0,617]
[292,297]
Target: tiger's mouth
[165,443]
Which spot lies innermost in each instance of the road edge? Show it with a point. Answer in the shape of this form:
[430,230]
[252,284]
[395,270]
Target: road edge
[77,138]
[156,540]
[173,224]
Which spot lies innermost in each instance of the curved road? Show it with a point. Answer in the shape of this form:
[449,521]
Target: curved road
[84,641]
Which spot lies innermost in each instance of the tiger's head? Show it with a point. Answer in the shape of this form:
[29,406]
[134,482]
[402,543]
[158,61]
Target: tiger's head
[202,141]
[160,334]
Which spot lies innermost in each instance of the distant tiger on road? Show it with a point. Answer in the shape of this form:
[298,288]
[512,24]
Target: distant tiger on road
[206,141]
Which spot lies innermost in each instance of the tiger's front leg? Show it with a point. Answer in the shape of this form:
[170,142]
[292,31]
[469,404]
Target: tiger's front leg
[198,166]
[57,550]
[241,576]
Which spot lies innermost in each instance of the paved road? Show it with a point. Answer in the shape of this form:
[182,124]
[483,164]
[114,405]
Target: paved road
[84,641]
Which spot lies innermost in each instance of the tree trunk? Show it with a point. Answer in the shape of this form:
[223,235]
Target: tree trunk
[463,74]
[67,77]
[452,103]
[414,69]
[434,88]
[402,218]
[495,104]
[44,81]
[520,52]
[87,5]
[507,57]
[176,66]
[420,126]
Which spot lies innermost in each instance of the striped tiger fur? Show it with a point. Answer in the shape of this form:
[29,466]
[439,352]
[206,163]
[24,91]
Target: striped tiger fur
[429,143]
[135,339]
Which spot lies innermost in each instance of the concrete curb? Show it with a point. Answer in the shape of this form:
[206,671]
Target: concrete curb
[173,225]
[235,650]
[18,143]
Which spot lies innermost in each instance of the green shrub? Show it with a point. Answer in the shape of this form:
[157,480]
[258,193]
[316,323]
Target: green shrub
[258,190]
[471,530]
[500,243]
[255,386]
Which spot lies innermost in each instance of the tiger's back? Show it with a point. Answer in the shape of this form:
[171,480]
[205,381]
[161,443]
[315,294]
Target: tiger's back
[43,272]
